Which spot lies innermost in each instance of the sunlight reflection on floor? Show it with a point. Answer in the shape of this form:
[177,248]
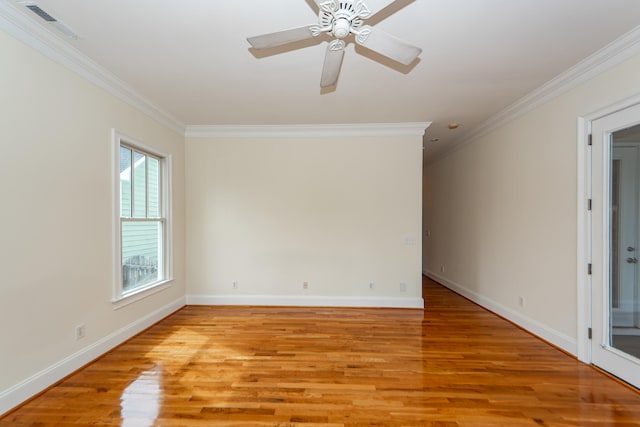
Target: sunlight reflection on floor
[140,401]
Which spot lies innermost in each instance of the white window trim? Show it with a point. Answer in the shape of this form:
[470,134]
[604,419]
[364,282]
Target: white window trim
[119,298]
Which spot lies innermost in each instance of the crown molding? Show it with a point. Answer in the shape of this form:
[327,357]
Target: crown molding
[307,131]
[608,57]
[18,25]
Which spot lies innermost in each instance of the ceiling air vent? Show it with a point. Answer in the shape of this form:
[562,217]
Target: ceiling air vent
[41,13]
[33,7]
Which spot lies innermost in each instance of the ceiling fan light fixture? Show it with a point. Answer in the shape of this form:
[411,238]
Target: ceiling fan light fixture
[341,28]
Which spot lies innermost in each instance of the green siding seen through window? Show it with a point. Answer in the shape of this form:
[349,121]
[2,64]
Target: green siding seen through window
[139,185]
[125,182]
[141,253]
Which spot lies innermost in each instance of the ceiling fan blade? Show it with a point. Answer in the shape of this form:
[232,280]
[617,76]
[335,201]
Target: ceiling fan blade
[378,5]
[382,9]
[282,37]
[387,45]
[332,63]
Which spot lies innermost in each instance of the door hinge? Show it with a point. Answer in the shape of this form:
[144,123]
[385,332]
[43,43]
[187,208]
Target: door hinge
[589,203]
[588,268]
[590,333]
[590,139]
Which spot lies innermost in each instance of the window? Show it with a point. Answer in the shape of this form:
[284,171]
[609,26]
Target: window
[142,219]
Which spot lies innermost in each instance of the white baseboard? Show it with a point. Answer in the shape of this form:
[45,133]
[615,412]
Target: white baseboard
[556,338]
[19,393]
[305,301]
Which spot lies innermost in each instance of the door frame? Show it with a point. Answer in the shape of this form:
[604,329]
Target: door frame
[584,255]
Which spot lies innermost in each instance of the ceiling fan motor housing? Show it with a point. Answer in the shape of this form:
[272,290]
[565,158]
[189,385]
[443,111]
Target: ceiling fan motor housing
[342,17]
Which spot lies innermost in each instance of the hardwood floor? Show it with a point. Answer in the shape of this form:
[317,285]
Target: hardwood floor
[453,364]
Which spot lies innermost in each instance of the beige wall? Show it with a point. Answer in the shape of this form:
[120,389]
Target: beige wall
[502,211]
[55,221]
[272,213]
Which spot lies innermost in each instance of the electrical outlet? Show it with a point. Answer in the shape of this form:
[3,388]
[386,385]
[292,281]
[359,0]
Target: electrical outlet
[403,287]
[80,332]
[235,285]
[409,240]
[442,269]
[305,285]
[371,286]
[521,301]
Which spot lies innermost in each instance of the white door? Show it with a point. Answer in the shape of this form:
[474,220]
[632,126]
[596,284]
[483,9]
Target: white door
[615,345]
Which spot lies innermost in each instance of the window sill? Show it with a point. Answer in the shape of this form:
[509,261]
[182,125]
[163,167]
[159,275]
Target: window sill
[140,294]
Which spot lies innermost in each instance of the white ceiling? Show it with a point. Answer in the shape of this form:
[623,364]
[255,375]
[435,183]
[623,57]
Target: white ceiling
[192,60]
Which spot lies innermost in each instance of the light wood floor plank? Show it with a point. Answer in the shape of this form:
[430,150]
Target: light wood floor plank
[451,365]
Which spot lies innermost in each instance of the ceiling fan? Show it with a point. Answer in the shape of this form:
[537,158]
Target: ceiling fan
[339,19]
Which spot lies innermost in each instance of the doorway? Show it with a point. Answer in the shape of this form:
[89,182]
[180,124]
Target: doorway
[615,235]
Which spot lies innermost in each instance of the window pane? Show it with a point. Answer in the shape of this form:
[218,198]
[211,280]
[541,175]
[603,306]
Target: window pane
[141,253]
[624,280]
[125,182]
[154,187]
[139,185]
